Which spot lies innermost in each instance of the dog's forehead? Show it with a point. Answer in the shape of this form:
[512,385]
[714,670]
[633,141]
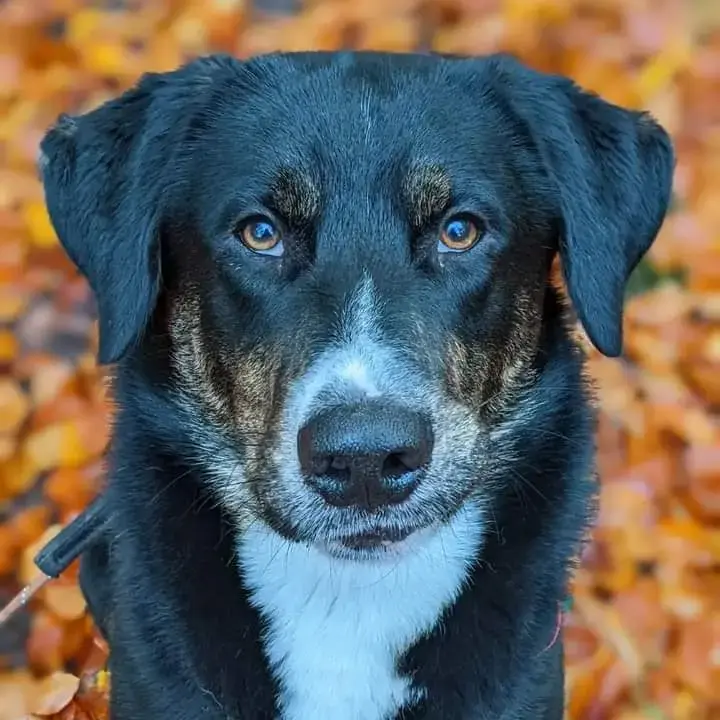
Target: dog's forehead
[311,129]
[386,103]
[386,74]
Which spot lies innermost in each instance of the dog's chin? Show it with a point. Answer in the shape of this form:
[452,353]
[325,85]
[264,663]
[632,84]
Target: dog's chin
[359,538]
[355,534]
[382,544]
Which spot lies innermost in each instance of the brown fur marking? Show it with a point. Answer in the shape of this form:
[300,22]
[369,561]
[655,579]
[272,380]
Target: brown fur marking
[488,373]
[427,191]
[296,196]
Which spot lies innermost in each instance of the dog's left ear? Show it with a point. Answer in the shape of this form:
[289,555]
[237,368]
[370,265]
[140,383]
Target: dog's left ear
[106,176]
[612,170]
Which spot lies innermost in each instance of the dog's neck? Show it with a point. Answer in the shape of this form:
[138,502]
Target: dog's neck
[336,627]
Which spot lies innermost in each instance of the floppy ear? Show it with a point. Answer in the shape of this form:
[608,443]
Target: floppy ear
[106,176]
[612,169]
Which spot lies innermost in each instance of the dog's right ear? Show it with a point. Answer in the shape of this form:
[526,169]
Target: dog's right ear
[105,176]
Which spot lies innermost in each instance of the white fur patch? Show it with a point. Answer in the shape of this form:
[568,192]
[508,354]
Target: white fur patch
[359,317]
[336,628]
[359,359]
[356,372]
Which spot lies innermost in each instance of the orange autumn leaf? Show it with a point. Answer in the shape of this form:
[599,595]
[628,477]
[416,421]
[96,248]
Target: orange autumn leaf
[38,224]
[9,549]
[9,347]
[16,688]
[66,406]
[17,474]
[31,524]
[54,694]
[697,659]
[70,489]
[394,35]
[75,635]
[65,601]
[71,443]
[44,643]
[48,380]
[14,405]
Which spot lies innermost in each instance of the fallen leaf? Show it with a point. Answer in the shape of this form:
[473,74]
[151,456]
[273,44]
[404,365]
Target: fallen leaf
[14,405]
[54,694]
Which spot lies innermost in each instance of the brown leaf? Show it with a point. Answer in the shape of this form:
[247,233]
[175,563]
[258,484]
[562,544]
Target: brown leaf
[54,694]
[16,688]
[44,644]
[65,601]
[697,659]
[70,489]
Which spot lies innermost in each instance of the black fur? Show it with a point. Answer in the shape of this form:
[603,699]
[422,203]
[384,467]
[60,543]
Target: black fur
[139,188]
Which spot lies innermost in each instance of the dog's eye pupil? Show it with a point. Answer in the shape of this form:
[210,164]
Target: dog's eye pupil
[458,230]
[262,231]
[261,236]
[459,234]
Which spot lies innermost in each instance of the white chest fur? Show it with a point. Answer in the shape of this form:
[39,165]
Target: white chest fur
[336,628]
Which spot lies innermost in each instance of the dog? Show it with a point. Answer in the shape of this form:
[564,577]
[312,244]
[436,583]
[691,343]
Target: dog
[352,462]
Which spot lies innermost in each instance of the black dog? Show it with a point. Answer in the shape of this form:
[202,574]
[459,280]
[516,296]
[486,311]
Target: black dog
[353,453]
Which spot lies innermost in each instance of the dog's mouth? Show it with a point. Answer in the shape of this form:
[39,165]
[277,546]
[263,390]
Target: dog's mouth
[381,538]
[377,544]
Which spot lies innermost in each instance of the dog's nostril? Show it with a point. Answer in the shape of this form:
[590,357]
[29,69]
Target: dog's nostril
[399,463]
[407,460]
[335,469]
[365,454]
[320,465]
[339,464]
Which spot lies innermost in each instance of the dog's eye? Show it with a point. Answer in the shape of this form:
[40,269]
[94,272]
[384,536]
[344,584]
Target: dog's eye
[460,233]
[261,235]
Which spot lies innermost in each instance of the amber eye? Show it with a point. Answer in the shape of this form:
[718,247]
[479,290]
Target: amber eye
[460,233]
[261,235]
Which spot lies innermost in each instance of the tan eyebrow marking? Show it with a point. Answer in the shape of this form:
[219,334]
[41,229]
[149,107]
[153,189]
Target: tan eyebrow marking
[427,191]
[296,196]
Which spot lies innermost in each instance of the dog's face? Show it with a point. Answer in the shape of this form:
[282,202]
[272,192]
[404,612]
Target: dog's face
[349,255]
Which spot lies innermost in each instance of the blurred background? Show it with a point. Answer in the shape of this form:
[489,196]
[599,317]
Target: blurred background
[643,633]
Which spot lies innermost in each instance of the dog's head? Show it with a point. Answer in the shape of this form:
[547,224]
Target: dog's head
[345,258]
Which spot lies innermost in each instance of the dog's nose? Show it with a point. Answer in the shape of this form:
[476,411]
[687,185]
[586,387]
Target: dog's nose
[365,454]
